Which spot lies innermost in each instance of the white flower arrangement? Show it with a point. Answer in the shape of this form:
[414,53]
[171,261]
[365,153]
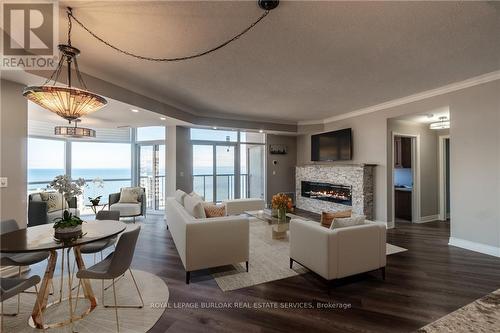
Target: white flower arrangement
[68,188]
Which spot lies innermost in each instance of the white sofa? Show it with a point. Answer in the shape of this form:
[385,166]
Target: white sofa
[240,206]
[341,252]
[207,242]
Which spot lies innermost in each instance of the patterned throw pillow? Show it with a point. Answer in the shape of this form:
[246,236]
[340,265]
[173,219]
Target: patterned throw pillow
[328,217]
[347,222]
[213,210]
[130,194]
[55,201]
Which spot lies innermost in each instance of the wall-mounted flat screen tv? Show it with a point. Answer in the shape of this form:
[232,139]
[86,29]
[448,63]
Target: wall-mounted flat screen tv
[332,146]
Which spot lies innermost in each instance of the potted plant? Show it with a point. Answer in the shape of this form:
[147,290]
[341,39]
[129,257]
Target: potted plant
[282,203]
[68,226]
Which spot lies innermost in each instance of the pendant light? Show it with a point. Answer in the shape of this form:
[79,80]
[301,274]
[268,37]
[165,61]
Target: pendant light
[66,101]
[74,131]
[443,123]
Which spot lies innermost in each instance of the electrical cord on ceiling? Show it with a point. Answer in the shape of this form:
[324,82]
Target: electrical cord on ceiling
[196,55]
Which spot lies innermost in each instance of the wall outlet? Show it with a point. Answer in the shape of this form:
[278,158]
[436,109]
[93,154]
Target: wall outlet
[4,182]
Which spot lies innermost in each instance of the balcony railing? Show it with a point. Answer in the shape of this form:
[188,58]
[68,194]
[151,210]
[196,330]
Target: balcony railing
[203,185]
[155,191]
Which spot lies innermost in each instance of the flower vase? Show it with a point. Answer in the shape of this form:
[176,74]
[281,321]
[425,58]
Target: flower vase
[282,214]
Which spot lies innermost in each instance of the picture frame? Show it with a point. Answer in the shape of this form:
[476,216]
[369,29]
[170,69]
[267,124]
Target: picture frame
[278,149]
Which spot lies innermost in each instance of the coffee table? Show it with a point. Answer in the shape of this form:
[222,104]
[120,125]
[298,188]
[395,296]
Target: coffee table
[278,227]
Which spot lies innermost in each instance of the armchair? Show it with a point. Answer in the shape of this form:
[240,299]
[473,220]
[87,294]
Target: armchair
[38,211]
[128,209]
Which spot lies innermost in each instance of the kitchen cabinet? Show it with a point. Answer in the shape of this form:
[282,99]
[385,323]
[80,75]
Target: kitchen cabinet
[402,201]
[402,152]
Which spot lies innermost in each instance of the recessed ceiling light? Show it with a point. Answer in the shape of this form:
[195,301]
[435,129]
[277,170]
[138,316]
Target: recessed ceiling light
[163,118]
[134,110]
[214,127]
[261,131]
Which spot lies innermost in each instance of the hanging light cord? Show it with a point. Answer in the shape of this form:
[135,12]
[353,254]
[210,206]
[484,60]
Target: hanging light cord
[196,55]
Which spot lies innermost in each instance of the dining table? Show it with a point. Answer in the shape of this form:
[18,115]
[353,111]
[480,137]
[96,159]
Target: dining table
[41,238]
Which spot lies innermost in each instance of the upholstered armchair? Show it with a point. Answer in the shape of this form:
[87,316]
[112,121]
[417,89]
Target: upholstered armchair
[128,209]
[38,210]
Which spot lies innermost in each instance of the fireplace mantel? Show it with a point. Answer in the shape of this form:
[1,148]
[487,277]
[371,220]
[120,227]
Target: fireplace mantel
[357,176]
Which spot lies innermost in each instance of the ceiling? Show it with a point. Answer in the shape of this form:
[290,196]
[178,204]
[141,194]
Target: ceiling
[304,61]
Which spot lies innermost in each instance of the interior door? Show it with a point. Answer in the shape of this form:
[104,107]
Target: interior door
[255,171]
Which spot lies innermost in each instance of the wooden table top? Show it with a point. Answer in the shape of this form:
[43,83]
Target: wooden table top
[41,238]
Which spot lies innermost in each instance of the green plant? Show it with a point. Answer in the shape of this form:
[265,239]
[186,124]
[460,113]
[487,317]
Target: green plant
[95,201]
[67,221]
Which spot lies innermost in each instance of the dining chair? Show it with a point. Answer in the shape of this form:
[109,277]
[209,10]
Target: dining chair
[113,266]
[10,287]
[18,259]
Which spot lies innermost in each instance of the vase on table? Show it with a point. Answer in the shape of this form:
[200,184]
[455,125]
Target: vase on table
[282,214]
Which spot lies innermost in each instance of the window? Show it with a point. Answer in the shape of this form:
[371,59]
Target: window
[110,162]
[46,159]
[150,133]
[213,135]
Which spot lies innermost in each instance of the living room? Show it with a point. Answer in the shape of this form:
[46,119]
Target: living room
[254,186]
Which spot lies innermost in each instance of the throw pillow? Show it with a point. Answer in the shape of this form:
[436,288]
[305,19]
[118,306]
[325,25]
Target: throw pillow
[347,222]
[328,217]
[130,194]
[55,201]
[213,210]
[196,195]
[179,196]
[194,206]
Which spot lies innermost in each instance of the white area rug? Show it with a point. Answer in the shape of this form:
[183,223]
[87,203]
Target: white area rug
[153,289]
[269,260]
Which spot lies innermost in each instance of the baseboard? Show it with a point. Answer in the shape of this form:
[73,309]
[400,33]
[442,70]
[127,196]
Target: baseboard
[476,247]
[430,218]
[10,271]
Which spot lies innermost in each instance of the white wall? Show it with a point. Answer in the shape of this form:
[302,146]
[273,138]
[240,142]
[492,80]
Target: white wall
[13,154]
[475,157]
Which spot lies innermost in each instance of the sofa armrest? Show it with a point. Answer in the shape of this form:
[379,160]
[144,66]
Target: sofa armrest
[215,242]
[239,206]
[37,213]
[310,245]
[113,198]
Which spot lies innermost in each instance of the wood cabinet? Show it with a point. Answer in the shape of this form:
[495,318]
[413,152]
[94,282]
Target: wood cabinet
[402,152]
[402,202]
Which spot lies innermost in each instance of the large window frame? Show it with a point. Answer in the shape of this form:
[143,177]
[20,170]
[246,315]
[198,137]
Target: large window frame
[237,161]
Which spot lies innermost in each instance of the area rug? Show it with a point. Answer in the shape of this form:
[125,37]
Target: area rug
[482,315]
[269,261]
[153,289]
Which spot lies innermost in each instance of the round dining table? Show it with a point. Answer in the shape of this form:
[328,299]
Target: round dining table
[41,238]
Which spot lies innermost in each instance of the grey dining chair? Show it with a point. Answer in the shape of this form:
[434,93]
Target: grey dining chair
[10,287]
[113,266]
[18,259]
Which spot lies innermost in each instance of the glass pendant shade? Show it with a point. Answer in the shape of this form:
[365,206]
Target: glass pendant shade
[67,102]
[74,132]
[443,123]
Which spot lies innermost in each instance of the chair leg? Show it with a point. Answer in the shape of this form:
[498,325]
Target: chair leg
[382,269]
[188,277]
[246,264]
[116,308]
[291,263]
[134,219]
[125,306]
[18,295]
[1,319]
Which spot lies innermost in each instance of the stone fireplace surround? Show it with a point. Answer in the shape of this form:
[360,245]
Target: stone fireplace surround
[358,176]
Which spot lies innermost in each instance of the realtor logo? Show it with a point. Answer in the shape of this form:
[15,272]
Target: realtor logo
[29,35]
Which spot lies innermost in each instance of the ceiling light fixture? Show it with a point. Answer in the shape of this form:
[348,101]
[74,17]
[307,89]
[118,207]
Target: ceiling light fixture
[163,118]
[266,5]
[134,110]
[74,131]
[443,123]
[261,131]
[68,102]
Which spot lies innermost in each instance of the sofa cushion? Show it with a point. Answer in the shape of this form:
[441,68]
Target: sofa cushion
[130,194]
[179,196]
[194,206]
[347,221]
[55,201]
[127,209]
[213,210]
[36,197]
[328,217]
[58,213]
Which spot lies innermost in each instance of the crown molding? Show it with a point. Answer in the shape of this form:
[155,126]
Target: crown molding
[474,81]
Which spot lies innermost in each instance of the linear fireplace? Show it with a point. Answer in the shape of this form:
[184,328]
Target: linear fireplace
[341,194]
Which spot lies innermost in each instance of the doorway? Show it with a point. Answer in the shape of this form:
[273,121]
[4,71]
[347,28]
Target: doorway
[405,187]
[444,177]
[151,176]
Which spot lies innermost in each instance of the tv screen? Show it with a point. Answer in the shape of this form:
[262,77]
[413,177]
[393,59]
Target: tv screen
[332,146]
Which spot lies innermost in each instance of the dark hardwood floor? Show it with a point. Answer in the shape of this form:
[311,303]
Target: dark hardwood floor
[423,284]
